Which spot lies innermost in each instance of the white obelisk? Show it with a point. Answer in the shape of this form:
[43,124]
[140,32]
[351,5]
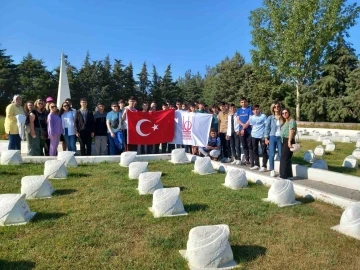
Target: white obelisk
[64,89]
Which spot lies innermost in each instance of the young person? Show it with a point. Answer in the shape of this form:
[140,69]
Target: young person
[142,148]
[114,133]
[273,134]
[201,107]
[68,124]
[213,147]
[100,130]
[242,115]
[84,127]
[288,132]
[257,122]
[28,107]
[128,109]
[223,124]
[215,113]
[194,149]
[232,135]
[62,139]
[54,126]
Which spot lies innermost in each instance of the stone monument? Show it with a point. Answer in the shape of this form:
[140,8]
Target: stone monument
[127,157]
[68,157]
[136,168]
[203,166]
[346,139]
[350,162]
[320,138]
[330,147]
[350,221]
[208,247]
[357,143]
[55,169]
[149,182]
[178,156]
[36,186]
[319,151]
[319,164]
[282,193]
[14,210]
[167,202]
[336,134]
[328,133]
[236,179]
[309,156]
[356,153]
[326,141]
[11,157]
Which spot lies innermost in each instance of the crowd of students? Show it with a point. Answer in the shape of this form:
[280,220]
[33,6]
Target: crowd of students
[232,129]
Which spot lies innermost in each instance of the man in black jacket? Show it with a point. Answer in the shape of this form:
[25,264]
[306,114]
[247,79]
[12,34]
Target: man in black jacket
[84,128]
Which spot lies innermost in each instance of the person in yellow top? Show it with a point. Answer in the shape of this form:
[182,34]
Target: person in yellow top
[11,125]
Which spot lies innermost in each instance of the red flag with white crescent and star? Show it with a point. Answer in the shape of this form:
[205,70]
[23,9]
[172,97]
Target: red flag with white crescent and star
[150,127]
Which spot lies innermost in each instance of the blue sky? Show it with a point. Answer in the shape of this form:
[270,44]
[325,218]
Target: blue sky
[186,34]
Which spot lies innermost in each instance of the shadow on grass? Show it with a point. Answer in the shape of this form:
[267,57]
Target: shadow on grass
[181,188]
[306,200]
[59,192]
[9,173]
[47,216]
[80,175]
[247,253]
[194,207]
[16,265]
[341,169]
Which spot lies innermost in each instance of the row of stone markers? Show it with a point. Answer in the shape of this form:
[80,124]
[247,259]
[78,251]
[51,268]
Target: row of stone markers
[315,135]
[13,207]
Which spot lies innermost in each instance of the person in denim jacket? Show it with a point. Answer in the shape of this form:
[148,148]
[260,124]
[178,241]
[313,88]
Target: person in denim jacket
[273,135]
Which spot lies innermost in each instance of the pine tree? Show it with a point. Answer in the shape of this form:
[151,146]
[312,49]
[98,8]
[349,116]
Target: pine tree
[7,79]
[168,88]
[118,77]
[143,84]
[155,90]
[129,81]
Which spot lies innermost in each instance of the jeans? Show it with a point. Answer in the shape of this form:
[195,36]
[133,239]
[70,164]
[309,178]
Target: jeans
[285,160]
[235,146]
[70,141]
[224,145]
[255,147]
[113,149]
[274,142]
[14,142]
[247,147]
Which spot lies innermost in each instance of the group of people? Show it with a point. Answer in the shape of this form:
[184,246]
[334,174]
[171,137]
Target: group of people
[46,126]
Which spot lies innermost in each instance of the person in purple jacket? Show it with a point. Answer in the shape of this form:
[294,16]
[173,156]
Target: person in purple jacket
[54,129]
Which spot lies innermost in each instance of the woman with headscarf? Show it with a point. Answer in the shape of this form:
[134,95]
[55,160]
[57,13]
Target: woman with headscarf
[13,113]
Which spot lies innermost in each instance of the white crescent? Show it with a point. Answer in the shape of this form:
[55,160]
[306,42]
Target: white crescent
[138,127]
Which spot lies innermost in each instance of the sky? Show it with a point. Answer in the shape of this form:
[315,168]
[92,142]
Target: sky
[188,34]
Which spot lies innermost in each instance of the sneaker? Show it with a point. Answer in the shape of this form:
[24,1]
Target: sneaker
[238,162]
[254,168]
[272,173]
[262,169]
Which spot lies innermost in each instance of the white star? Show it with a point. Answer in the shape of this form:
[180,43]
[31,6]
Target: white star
[155,127]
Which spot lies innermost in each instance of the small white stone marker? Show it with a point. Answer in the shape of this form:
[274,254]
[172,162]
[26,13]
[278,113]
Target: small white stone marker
[356,153]
[136,168]
[68,157]
[14,210]
[358,134]
[203,166]
[127,157]
[320,138]
[178,156]
[350,221]
[236,179]
[350,162]
[357,143]
[326,141]
[55,169]
[149,182]
[319,151]
[282,193]
[309,156]
[208,247]
[346,139]
[319,164]
[11,157]
[330,147]
[167,203]
[336,134]
[36,186]
[305,132]
[328,133]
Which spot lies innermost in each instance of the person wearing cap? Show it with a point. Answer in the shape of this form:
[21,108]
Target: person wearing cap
[11,123]
[100,131]
[84,127]
[48,101]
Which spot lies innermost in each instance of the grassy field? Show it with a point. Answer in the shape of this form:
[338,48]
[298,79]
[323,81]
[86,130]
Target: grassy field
[97,220]
[2,128]
[334,159]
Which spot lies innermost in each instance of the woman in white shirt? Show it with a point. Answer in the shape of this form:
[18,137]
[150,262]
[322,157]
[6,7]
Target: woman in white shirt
[67,119]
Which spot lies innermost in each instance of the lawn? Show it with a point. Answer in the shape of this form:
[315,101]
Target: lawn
[97,220]
[334,159]
[2,128]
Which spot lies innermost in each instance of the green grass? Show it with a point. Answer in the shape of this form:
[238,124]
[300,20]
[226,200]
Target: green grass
[2,128]
[334,159]
[97,220]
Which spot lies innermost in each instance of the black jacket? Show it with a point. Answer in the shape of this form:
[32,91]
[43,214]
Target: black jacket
[81,125]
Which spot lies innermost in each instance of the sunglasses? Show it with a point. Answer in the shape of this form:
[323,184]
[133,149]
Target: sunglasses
[52,107]
[66,106]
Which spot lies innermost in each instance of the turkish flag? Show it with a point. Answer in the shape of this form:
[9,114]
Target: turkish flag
[150,127]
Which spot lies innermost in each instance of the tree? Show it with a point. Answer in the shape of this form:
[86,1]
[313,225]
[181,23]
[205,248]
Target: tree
[129,81]
[143,83]
[191,86]
[118,75]
[352,100]
[7,79]
[155,91]
[168,88]
[291,37]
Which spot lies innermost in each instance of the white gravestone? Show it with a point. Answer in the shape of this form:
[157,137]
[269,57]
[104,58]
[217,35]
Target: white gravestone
[319,150]
[330,147]
[208,247]
[127,157]
[357,143]
[350,221]
[11,157]
[282,193]
[305,132]
[68,157]
[328,133]
[320,138]
[167,203]
[149,182]
[356,153]
[346,139]
[236,179]
[36,186]
[55,169]
[136,168]
[350,162]
[326,141]
[300,132]
[358,134]
[309,156]
[14,210]
[336,134]
[203,166]
[319,164]
[178,156]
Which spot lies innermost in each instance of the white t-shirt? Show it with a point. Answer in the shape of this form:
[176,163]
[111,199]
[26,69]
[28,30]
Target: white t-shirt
[277,132]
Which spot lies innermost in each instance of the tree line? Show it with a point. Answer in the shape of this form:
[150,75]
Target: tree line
[300,57]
